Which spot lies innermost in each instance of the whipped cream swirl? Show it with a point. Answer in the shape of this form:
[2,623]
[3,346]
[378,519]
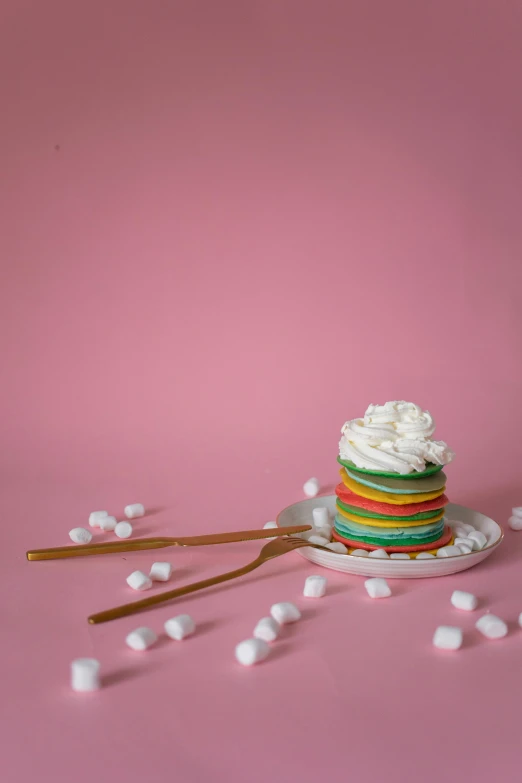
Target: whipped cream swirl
[393,437]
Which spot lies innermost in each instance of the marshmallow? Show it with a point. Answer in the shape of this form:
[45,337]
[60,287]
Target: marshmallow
[515,522]
[465,601]
[267,629]
[465,545]
[108,523]
[517,511]
[269,525]
[85,674]
[425,556]
[448,551]
[321,516]
[468,528]
[251,651]
[464,540]
[123,530]
[80,535]
[160,572]
[141,638]
[139,581]
[359,552]
[285,612]
[465,549]
[447,637]
[315,586]
[336,546]
[460,532]
[325,532]
[179,627]
[311,488]
[378,553]
[134,510]
[479,538]
[491,626]
[520,620]
[399,556]
[94,521]
[377,588]
[319,540]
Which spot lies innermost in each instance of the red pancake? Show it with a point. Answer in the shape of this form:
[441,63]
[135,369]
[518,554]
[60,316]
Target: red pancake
[442,541]
[390,509]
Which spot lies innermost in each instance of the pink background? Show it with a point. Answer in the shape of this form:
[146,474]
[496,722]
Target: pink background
[226,228]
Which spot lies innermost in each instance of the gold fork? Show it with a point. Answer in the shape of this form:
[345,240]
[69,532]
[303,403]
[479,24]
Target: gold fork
[138,544]
[275,548]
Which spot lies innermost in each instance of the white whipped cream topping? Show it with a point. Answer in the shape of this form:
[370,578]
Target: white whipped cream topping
[394,437]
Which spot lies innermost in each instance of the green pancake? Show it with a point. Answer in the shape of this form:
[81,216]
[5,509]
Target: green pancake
[430,468]
[362,512]
[391,540]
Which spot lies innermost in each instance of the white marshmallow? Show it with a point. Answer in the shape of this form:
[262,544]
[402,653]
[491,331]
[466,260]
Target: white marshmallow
[515,522]
[399,556]
[425,556]
[270,525]
[379,553]
[447,637]
[517,511]
[251,651]
[360,553]
[80,535]
[315,586]
[479,538]
[134,510]
[123,530]
[160,572]
[377,588]
[285,612]
[320,540]
[311,488]
[139,581]
[108,523]
[464,549]
[179,627]
[462,540]
[467,527]
[448,551]
[94,521]
[466,601]
[336,546]
[325,532]
[460,532]
[141,638]
[85,674]
[491,626]
[321,516]
[520,620]
[267,629]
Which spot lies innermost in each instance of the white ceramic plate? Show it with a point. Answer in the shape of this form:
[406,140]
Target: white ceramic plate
[301,514]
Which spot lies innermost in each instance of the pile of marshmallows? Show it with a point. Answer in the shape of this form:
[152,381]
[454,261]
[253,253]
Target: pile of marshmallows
[85,672]
[107,523]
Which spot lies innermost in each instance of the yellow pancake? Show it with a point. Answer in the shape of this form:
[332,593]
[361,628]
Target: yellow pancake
[387,497]
[387,522]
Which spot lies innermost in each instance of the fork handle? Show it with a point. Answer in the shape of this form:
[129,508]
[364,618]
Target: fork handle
[137,544]
[153,600]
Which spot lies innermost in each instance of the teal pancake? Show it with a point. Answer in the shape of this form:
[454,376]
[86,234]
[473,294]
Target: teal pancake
[397,486]
[430,468]
[424,534]
[362,512]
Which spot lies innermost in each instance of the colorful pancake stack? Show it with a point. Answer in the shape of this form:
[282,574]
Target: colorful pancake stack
[391,495]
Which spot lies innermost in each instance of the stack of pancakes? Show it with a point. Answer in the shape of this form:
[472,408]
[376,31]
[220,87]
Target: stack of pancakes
[390,511]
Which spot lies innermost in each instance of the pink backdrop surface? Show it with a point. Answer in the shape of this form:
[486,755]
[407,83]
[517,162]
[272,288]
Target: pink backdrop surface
[226,228]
